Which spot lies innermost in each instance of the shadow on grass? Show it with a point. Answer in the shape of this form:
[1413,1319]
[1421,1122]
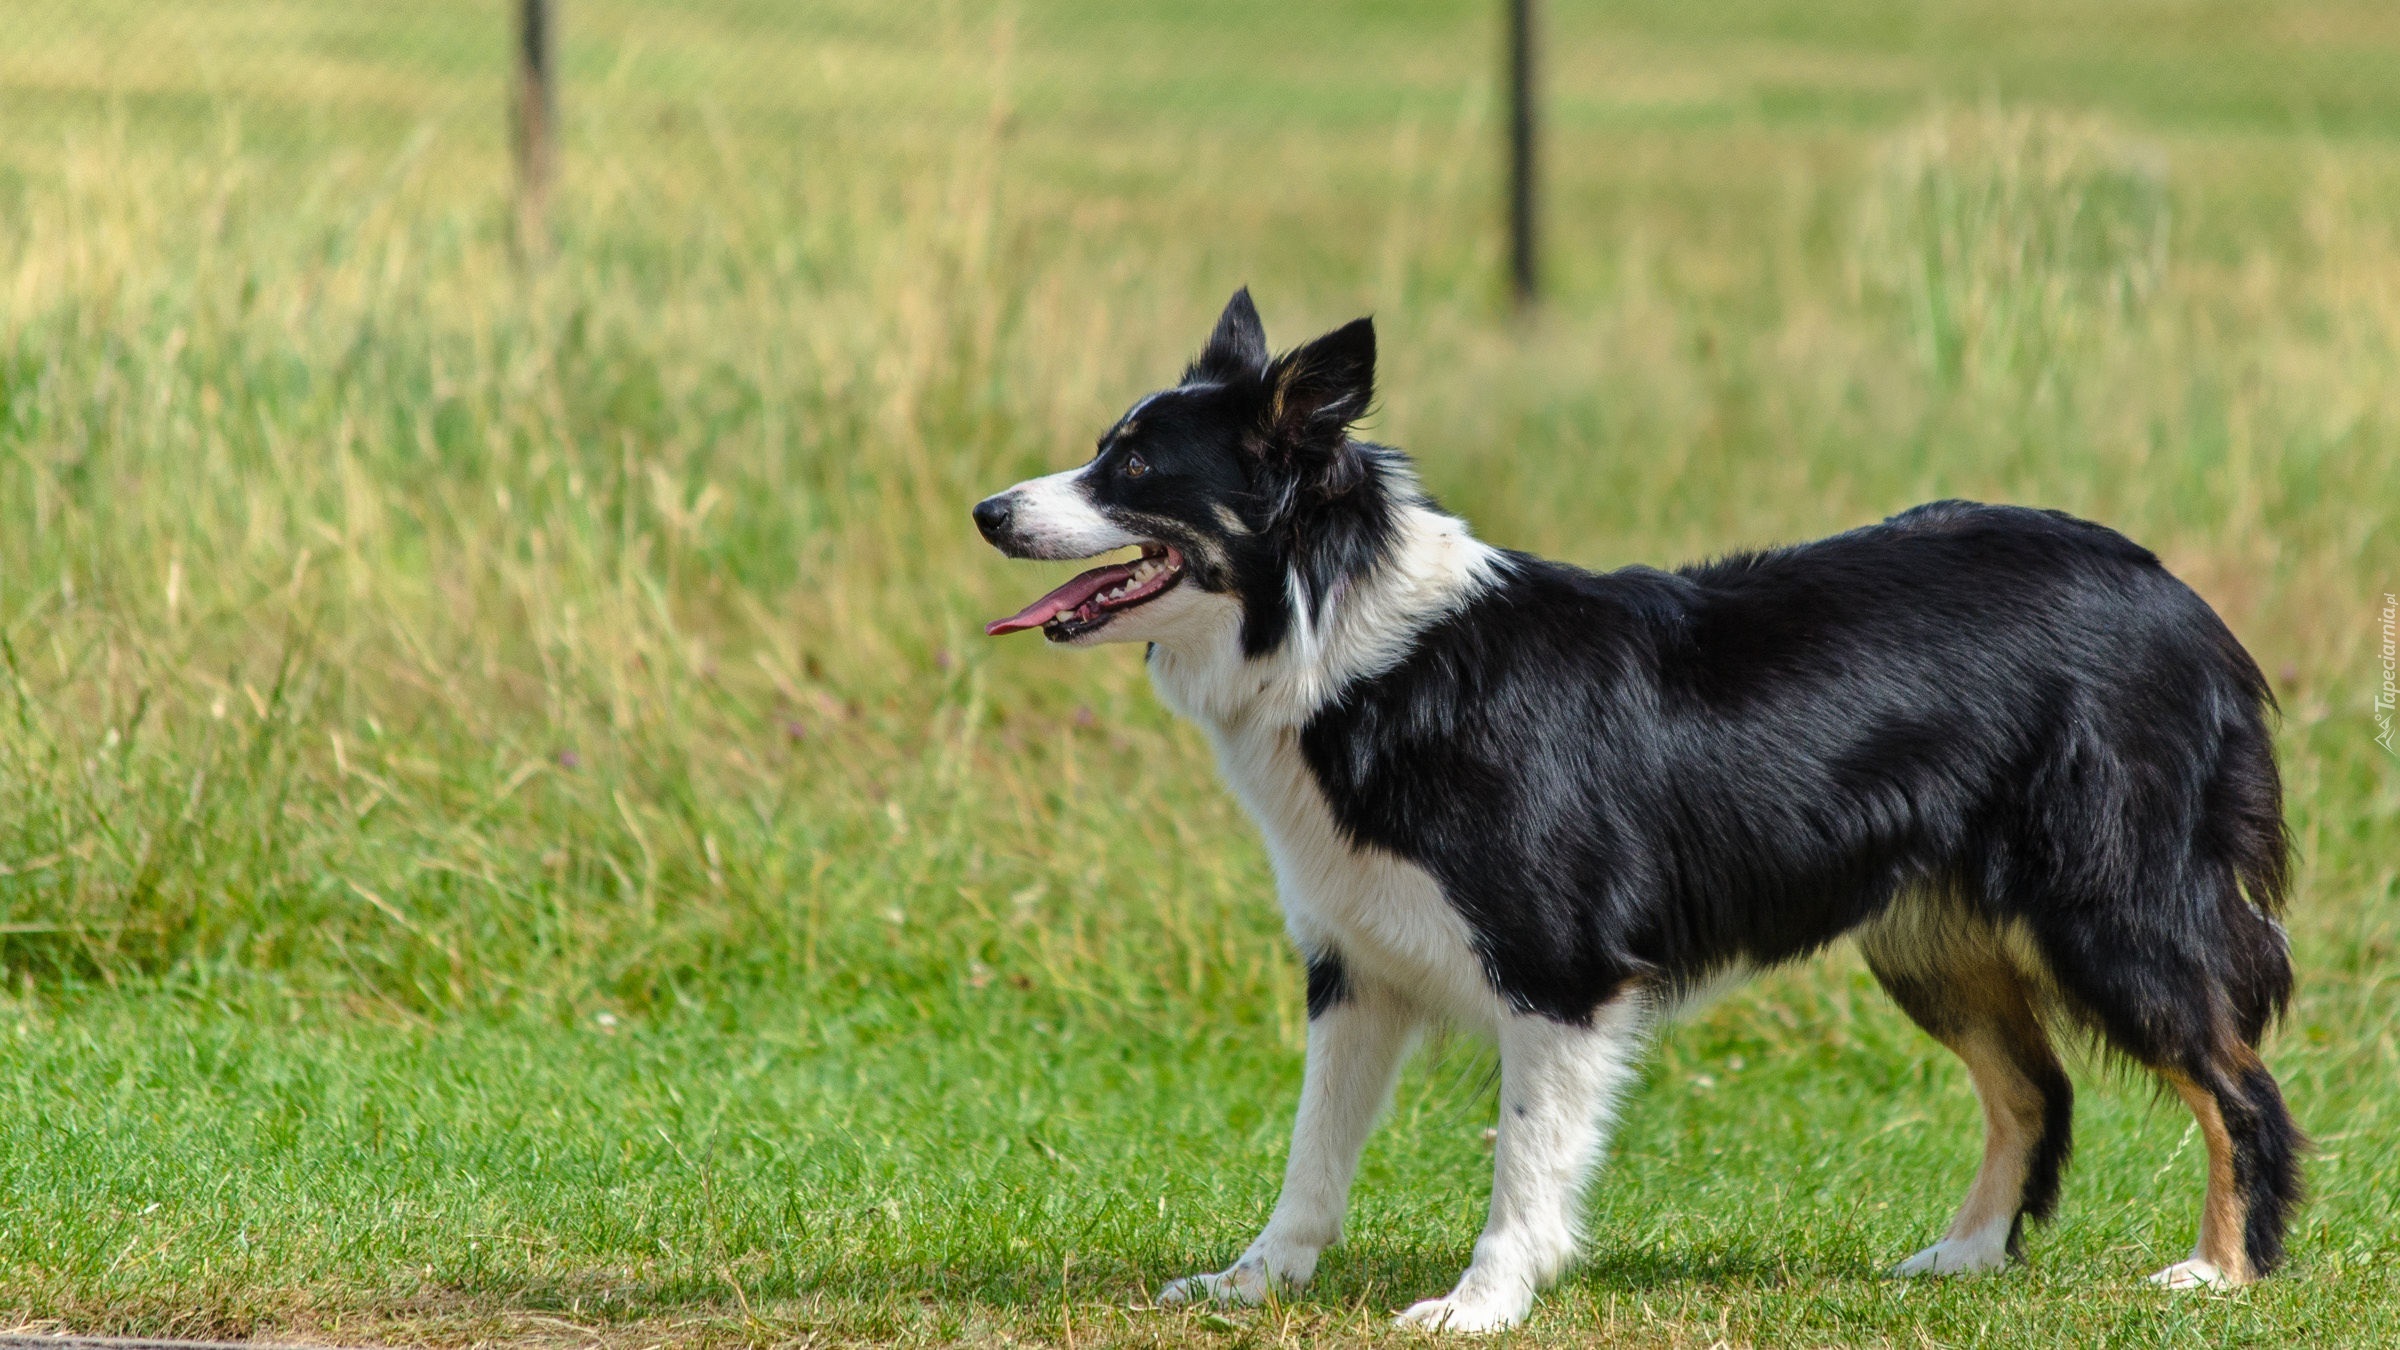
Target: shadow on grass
[1640,1269]
[1373,1276]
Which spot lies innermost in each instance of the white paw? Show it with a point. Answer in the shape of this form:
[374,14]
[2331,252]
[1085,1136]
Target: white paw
[1955,1256]
[1463,1310]
[1246,1281]
[2192,1274]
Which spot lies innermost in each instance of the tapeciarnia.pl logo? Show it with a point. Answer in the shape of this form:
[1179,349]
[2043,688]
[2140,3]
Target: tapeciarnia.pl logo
[2389,693]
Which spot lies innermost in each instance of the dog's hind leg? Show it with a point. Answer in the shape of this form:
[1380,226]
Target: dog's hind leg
[1558,1087]
[2178,1013]
[1950,973]
[2187,992]
[2253,1173]
[1358,1034]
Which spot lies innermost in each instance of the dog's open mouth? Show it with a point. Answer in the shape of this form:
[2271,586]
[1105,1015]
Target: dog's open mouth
[1092,598]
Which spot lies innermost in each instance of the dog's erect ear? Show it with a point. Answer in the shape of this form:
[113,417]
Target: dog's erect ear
[1315,392]
[1238,347]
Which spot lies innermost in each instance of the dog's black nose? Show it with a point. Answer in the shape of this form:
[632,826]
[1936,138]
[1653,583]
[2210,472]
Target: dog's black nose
[991,516]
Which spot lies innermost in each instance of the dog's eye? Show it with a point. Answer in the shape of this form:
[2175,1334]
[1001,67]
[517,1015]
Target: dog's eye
[1135,466]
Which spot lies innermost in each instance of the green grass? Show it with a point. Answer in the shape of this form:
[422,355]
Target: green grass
[507,830]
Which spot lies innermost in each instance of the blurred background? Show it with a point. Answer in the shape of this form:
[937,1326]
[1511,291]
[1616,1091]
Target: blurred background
[364,538]
[420,606]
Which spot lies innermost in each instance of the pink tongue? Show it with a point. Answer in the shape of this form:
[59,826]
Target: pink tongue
[1068,597]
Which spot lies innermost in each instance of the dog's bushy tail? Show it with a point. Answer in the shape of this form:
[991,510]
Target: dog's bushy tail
[2243,825]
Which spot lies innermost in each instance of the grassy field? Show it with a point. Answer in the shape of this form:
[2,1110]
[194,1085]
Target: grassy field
[508,831]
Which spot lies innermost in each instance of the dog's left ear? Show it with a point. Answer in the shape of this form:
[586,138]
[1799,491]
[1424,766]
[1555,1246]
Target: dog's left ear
[1316,392]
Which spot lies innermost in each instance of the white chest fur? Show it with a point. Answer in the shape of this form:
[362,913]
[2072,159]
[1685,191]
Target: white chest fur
[1384,917]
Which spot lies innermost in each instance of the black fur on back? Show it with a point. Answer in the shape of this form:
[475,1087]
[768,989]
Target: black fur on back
[1647,774]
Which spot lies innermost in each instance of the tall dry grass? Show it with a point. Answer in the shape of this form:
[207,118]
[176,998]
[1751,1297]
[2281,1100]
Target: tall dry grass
[425,628]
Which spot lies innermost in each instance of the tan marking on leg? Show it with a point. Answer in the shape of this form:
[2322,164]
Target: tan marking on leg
[2012,1122]
[1953,974]
[2223,1214]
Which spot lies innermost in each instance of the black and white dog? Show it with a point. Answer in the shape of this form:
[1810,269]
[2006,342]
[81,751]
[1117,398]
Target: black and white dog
[2003,749]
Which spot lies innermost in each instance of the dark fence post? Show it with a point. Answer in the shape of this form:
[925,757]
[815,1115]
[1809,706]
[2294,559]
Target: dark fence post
[1523,198]
[537,120]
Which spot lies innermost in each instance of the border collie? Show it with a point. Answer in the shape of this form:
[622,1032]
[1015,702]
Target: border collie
[2021,765]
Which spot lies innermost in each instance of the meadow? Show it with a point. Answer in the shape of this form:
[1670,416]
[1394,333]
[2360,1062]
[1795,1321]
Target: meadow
[509,832]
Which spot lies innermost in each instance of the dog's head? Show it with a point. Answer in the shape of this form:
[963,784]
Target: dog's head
[1241,488]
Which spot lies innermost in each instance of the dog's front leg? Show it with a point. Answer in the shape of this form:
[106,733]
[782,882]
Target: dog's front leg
[1355,1045]
[1558,1087]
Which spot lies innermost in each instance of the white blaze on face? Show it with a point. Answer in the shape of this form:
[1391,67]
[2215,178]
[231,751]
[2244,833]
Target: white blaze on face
[1053,517]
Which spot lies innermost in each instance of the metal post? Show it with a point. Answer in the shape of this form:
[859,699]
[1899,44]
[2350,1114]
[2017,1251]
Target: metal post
[536,119]
[1523,244]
